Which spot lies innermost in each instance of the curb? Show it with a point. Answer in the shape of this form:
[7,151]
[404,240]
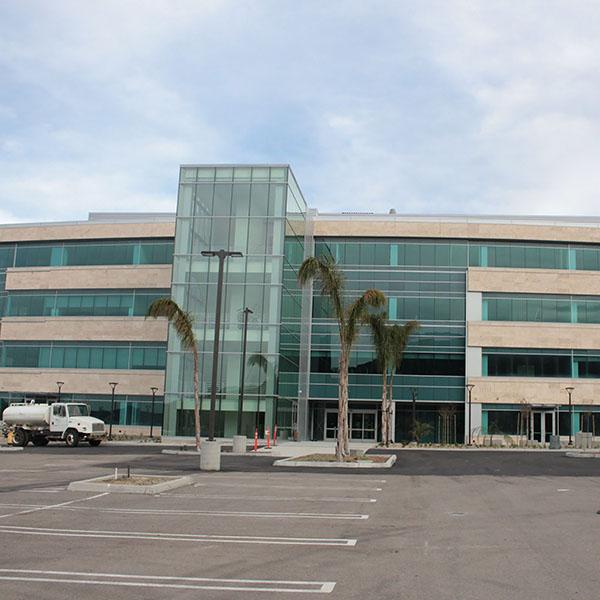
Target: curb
[11,449]
[583,454]
[291,462]
[95,485]
[195,453]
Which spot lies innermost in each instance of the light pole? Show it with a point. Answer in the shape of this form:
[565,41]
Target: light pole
[569,390]
[469,387]
[414,414]
[247,312]
[113,385]
[221,255]
[59,385]
[154,390]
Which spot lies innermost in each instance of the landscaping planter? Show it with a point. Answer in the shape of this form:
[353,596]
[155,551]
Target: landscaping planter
[327,461]
[137,484]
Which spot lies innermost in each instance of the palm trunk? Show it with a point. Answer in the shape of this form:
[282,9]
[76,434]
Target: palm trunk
[384,407]
[389,406]
[196,399]
[342,449]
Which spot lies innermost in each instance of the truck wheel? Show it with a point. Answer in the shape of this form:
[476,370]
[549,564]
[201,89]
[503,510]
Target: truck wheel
[72,438]
[21,437]
[94,443]
[40,440]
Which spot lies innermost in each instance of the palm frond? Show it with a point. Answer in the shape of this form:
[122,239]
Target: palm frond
[399,336]
[381,339]
[181,320]
[358,311]
[258,360]
[326,271]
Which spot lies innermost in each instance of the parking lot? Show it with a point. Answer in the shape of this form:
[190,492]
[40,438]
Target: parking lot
[440,525]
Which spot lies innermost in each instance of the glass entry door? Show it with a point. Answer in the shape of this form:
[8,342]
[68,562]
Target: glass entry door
[543,426]
[363,424]
[331,428]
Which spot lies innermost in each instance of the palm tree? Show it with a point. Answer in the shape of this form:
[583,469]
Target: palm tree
[349,318]
[390,342]
[380,333]
[183,324]
[399,335]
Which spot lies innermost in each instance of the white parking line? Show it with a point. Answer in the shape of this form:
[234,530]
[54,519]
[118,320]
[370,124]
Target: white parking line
[50,506]
[216,483]
[22,471]
[186,583]
[54,490]
[270,498]
[208,513]
[177,537]
[277,477]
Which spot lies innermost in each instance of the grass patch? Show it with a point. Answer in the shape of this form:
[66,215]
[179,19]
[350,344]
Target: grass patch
[375,458]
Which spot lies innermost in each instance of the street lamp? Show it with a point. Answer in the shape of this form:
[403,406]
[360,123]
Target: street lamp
[569,390]
[221,255]
[247,312]
[59,385]
[469,387]
[113,385]
[154,390]
[413,392]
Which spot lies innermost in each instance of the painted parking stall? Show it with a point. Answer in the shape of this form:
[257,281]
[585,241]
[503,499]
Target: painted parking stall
[186,540]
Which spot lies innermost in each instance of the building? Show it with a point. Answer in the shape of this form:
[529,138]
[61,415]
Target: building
[74,297]
[508,306]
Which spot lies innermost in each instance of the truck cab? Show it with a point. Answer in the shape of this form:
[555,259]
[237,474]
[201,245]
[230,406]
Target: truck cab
[72,422]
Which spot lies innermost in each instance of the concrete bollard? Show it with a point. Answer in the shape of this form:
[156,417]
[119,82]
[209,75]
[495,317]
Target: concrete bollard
[210,456]
[239,444]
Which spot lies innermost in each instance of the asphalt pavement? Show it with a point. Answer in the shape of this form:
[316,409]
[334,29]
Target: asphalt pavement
[439,525]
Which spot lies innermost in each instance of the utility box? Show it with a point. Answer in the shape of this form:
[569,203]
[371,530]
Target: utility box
[554,442]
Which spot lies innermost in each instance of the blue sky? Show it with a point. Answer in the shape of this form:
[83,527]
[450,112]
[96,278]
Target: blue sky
[424,106]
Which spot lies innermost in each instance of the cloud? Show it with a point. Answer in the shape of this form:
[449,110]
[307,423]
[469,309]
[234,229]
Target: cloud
[436,106]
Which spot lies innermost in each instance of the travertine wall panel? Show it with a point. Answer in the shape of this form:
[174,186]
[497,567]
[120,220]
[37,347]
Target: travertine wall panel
[533,281]
[499,334]
[115,277]
[551,391]
[113,329]
[397,227]
[80,381]
[86,231]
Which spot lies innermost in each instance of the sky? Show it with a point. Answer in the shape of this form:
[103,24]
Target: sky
[423,106]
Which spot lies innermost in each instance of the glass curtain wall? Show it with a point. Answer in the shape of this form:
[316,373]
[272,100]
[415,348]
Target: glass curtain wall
[239,209]
[425,281]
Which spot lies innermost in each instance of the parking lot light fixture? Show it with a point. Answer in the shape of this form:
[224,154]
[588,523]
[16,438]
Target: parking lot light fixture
[154,390]
[113,385]
[247,312]
[569,389]
[469,387]
[221,255]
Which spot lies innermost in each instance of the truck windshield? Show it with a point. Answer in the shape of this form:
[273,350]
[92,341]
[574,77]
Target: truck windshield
[78,410]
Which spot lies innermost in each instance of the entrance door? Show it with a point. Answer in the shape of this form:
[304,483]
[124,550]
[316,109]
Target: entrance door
[331,428]
[543,424]
[363,424]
